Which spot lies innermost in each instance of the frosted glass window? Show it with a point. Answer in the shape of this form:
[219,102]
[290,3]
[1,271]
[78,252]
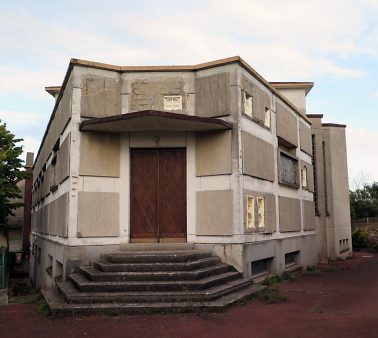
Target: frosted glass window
[250,212]
[173,102]
[260,212]
[248,104]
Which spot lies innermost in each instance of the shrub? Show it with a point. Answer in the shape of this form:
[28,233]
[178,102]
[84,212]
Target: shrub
[360,238]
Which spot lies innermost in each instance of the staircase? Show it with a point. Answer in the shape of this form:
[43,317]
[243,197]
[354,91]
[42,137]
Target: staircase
[140,280]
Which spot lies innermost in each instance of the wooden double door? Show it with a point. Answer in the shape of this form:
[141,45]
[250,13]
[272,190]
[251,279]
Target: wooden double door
[158,195]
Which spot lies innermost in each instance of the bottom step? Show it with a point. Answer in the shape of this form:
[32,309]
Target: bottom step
[58,306]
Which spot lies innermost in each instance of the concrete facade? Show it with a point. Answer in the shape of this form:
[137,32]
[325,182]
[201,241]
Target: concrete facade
[237,205]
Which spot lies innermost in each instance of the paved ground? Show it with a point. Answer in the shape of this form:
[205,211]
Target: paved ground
[339,301]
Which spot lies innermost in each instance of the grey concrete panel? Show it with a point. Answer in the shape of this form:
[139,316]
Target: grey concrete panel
[213,95]
[213,153]
[258,157]
[214,212]
[100,97]
[149,94]
[308,215]
[305,138]
[98,214]
[99,154]
[63,160]
[287,128]
[289,214]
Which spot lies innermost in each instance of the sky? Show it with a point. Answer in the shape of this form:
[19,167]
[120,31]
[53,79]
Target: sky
[333,43]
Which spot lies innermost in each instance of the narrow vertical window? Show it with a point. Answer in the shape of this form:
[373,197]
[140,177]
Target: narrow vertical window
[260,212]
[304,177]
[267,118]
[248,110]
[250,213]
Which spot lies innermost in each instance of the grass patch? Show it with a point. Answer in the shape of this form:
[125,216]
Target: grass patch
[277,279]
[272,296]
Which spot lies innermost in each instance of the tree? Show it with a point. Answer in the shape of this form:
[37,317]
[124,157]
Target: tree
[10,172]
[364,201]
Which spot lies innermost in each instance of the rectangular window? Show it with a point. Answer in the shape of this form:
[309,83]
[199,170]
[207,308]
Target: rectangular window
[260,212]
[260,267]
[288,170]
[49,267]
[248,110]
[250,213]
[173,102]
[291,258]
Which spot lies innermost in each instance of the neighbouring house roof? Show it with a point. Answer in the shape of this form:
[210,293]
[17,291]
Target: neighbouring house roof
[307,86]
[53,90]
[201,66]
[338,125]
[153,120]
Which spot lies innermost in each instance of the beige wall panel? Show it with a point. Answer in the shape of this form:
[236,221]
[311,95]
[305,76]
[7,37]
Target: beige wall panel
[99,155]
[213,95]
[63,160]
[46,182]
[289,214]
[270,213]
[52,218]
[101,96]
[213,153]
[149,93]
[62,215]
[308,215]
[214,212]
[287,125]
[310,175]
[98,214]
[258,157]
[305,138]
[45,217]
[260,101]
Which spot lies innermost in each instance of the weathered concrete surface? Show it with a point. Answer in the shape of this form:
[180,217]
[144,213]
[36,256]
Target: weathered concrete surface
[339,303]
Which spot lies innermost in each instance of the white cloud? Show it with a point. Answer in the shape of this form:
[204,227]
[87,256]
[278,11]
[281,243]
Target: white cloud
[30,144]
[361,145]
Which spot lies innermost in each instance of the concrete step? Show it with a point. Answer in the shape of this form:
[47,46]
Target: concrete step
[86,285]
[58,306]
[106,266]
[151,256]
[156,246]
[96,275]
[73,295]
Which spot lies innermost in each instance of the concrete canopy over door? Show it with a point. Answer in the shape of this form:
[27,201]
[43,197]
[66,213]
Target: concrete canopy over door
[158,195]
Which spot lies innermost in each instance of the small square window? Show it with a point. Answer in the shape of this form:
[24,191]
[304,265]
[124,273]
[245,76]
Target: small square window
[248,107]
[173,102]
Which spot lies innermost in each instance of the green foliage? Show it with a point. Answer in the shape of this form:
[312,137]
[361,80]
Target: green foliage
[10,172]
[272,296]
[360,238]
[364,201]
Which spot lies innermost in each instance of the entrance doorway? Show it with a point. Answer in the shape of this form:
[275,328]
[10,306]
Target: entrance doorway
[158,195]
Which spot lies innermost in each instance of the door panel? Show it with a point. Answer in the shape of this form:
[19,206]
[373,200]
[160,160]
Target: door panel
[158,195]
[172,193]
[144,194]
